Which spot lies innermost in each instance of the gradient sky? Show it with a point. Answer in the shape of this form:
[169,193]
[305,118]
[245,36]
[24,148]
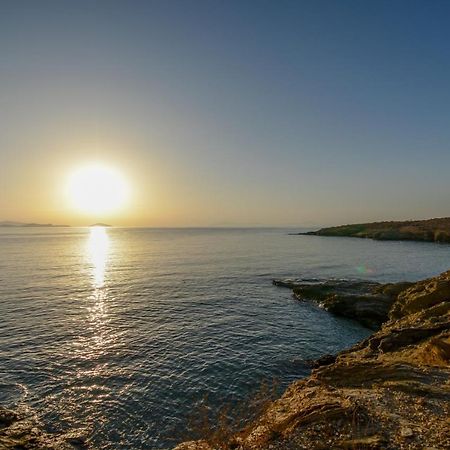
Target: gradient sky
[228,112]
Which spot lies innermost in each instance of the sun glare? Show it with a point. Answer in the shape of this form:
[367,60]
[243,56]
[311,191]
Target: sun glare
[98,246]
[97,189]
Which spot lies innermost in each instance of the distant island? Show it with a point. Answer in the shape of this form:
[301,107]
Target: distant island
[8,223]
[431,230]
[100,224]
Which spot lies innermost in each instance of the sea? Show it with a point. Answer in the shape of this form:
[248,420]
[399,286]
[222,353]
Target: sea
[122,334]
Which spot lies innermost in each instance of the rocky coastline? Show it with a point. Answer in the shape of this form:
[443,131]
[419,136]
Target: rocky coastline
[21,430]
[390,391]
[367,302]
[431,230]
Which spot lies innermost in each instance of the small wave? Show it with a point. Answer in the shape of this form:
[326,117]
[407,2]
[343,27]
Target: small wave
[12,393]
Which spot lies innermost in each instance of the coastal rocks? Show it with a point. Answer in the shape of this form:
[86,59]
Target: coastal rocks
[7,417]
[194,445]
[324,360]
[367,302]
[18,430]
[423,295]
[390,391]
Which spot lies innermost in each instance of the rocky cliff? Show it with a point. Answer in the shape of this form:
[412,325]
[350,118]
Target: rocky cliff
[391,391]
[432,230]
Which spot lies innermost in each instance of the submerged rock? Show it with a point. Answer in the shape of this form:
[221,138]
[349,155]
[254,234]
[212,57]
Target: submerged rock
[390,391]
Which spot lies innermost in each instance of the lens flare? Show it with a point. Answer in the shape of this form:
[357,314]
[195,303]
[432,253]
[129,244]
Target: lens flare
[364,270]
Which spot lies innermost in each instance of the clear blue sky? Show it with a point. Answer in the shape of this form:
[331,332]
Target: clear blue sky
[230,112]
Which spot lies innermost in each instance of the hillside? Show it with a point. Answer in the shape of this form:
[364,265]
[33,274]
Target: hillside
[431,230]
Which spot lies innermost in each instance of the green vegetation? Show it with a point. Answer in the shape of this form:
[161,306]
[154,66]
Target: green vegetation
[432,230]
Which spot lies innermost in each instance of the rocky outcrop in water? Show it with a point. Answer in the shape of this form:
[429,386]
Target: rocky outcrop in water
[391,391]
[367,302]
[432,230]
[20,431]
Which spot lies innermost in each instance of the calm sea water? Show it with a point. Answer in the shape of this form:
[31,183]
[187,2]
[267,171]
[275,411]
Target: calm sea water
[119,332]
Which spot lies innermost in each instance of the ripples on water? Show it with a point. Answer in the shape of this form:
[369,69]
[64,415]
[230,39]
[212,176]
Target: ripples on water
[119,332]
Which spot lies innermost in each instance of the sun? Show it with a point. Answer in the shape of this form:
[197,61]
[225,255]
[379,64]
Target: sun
[97,189]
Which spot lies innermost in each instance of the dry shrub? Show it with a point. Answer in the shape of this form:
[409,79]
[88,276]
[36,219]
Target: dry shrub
[220,426]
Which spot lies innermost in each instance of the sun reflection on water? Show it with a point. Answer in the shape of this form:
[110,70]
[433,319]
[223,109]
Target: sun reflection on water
[98,249]
[88,387]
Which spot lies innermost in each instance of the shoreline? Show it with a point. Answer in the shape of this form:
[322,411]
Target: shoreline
[390,391]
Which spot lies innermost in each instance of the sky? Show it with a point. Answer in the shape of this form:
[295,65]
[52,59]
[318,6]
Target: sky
[227,113]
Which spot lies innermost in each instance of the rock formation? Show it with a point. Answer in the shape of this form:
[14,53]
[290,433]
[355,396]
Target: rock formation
[20,430]
[367,302]
[391,391]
